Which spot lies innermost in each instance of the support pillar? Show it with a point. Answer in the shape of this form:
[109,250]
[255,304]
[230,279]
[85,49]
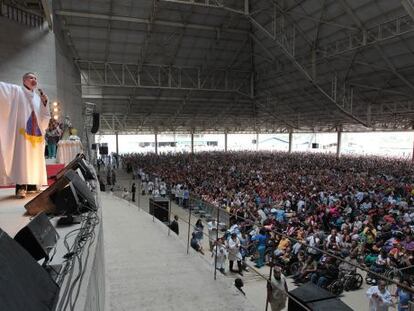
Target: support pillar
[116,143]
[257,141]
[225,142]
[156,143]
[192,142]
[413,152]
[339,143]
[290,141]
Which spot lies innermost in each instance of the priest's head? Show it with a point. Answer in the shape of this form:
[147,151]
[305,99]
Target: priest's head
[30,80]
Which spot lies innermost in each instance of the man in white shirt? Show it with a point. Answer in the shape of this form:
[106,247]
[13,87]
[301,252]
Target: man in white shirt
[379,297]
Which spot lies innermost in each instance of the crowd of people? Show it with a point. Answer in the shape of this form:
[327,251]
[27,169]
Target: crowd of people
[306,208]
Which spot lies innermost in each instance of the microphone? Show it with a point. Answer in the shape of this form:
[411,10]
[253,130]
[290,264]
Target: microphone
[41,95]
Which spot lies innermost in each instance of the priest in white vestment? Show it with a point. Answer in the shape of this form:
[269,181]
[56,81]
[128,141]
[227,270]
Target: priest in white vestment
[24,118]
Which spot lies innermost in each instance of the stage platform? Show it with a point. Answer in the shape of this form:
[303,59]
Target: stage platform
[91,287]
[138,266]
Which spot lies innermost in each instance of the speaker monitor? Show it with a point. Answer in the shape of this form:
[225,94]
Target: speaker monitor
[160,208]
[95,123]
[24,284]
[103,150]
[312,297]
[66,200]
[38,237]
[78,163]
[315,145]
[46,200]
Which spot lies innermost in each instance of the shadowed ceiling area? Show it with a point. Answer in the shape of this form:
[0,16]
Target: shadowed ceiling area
[240,65]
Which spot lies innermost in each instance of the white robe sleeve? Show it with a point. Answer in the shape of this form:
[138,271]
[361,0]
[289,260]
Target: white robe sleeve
[7,93]
[7,135]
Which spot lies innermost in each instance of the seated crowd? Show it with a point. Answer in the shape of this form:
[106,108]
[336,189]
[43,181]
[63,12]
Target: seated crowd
[291,206]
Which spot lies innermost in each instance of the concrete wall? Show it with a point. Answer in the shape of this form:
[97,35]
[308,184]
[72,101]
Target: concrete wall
[69,91]
[24,49]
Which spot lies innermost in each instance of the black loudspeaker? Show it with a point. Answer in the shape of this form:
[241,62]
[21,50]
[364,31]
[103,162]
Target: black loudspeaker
[78,163]
[45,201]
[103,150]
[315,146]
[67,200]
[314,298]
[93,147]
[160,208]
[38,237]
[24,284]
[86,197]
[95,123]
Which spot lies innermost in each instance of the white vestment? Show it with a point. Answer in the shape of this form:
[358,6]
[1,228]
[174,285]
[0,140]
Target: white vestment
[221,256]
[380,302]
[23,122]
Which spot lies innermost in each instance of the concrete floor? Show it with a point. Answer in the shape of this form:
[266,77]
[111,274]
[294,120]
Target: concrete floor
[255,285]
[147,269]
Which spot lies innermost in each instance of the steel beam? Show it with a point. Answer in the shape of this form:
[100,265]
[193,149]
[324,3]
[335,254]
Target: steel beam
[48,13]
[285,40]
[216,4]
[392,32]
[136,20]
[155,76]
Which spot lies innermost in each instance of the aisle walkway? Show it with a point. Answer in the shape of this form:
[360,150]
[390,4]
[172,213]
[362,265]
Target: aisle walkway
[148,270]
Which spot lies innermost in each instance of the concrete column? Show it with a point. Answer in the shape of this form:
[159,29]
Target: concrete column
[192,143]
[116,143]
[339,143]
[257,141]
[413,152]
[156,143]
[225,142]
[290,141]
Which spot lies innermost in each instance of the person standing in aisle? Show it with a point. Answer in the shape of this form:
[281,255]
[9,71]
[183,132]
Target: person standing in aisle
[233,245]
[133,191]
[174,225]
[277,290]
